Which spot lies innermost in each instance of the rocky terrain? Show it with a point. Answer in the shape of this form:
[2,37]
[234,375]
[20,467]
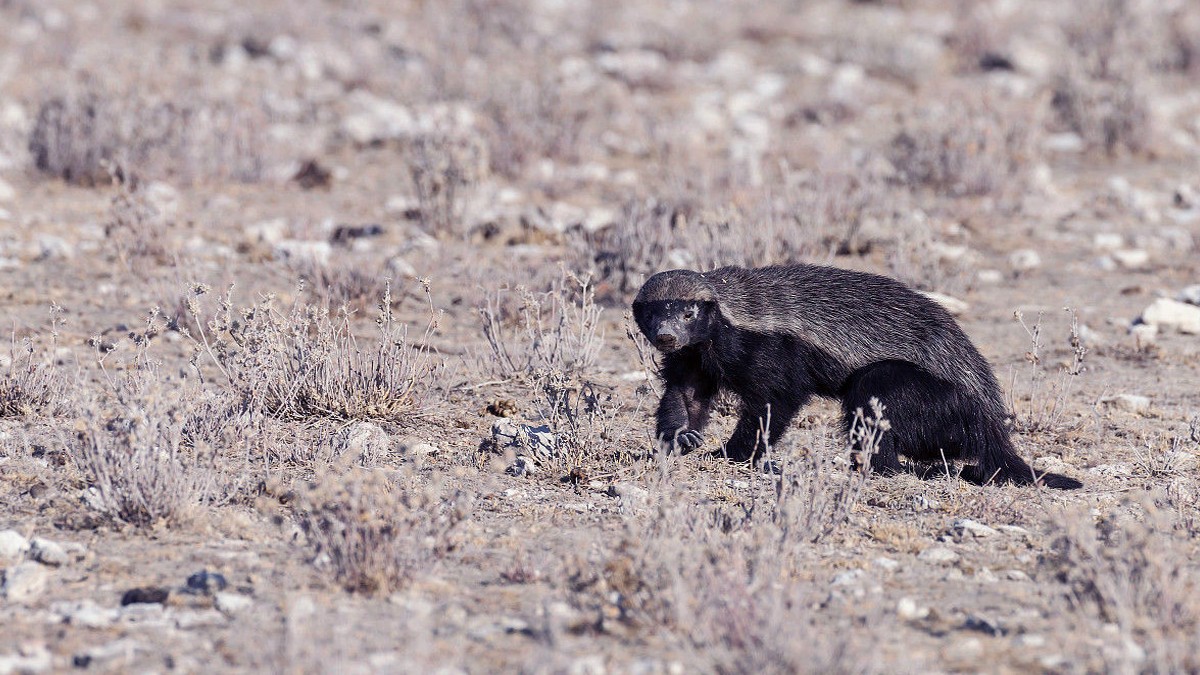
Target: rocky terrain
[320,358]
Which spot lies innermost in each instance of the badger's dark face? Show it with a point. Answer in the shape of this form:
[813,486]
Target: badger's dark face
[674,324]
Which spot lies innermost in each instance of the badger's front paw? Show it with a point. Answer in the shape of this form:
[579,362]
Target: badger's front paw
[685,441]
[689,440]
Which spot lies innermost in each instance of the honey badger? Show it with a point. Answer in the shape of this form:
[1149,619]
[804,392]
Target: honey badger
[776,336]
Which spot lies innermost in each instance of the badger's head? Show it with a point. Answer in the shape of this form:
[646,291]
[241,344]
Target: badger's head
[676,309]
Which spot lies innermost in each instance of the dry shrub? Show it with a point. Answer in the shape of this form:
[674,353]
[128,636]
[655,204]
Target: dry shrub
[1039,401]
[340,286]
[724,582]
[90,137]
[1110,115]
[558,330]
[977,145]
[132,452]
[306,363]
[444,167]
[841,207]
[533,119]
[1099,92]
[137,229]
[592,429]
[1131,570]
[374,533]
[914,257]
[29,385]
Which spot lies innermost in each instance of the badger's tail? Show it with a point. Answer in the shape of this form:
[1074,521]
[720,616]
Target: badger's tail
[997,461]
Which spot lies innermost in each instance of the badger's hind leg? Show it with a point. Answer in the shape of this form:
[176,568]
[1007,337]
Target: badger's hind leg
[933,421]
[880,383]
[925,418]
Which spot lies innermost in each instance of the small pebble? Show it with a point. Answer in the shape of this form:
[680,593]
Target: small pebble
[938,554]
[232,603]
[13,546]
[206,582]
[145,595]
[47,552]
[1128,402]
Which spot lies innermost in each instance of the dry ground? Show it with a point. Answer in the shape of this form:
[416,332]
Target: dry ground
[273,273]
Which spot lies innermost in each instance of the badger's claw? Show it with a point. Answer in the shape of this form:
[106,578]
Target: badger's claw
[689,440]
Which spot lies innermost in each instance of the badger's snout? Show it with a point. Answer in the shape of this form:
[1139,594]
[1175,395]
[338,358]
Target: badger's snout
[666,341]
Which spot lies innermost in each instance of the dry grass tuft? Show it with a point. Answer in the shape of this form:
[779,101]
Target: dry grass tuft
[975,146]
[28,385]
[443,168]
[592,430]
[558,330]
[722,582]
[132,452]
[1099,92]
[374,534]
[92,137]
[306,363]
[137,229]
[1132,571]
[1039,402]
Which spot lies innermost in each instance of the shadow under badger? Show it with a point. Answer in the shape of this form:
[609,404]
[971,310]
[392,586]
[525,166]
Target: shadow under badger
[776,336]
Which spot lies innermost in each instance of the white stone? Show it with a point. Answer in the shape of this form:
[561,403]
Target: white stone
[86,613]
[124,649]
[270,231]
[887,564]
[164,198]
[1024,259]
[949,303]
[47,552]
[7,192]
[598,219]
[24,582]
[377,119]
[1107,241]
[1128,402]
[989,276]
[232,603]
[1144,335]
[13,546]
[1190,295]
[938,554]
[1131,258]
[968,527]
[27,660]
[1066,142]
[1169,313]
[1031,641]
[401,268]
[847,578]
[316,252]
[362,443]
[423,449]
[53,247]
[401,205]
[908,609]
[986,576]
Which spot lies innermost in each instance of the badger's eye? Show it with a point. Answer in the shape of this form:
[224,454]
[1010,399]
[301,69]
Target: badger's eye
[689,314]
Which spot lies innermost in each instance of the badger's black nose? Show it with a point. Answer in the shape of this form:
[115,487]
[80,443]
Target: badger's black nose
[665,341]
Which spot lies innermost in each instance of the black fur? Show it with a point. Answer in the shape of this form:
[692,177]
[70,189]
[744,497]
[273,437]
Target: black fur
[933,421]
[832,333]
